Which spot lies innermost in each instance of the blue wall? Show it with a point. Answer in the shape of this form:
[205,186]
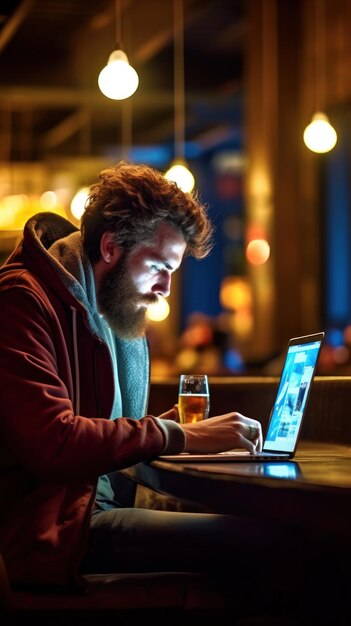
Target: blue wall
[337,248]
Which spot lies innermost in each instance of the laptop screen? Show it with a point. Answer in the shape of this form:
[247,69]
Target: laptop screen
[294,387]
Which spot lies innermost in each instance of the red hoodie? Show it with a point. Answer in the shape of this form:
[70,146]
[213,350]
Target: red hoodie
[51,457]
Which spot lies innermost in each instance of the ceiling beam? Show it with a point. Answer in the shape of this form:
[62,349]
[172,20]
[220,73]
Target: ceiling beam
[11,26]
[21,98]
[65,129]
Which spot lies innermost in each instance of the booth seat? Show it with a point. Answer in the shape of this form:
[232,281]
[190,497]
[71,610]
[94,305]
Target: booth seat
[170,598]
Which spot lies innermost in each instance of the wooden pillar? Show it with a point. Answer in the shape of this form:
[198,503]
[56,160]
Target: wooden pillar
[261,111]
[278,202]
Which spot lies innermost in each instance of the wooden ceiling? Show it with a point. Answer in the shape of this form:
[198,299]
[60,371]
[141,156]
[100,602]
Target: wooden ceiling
[51,52]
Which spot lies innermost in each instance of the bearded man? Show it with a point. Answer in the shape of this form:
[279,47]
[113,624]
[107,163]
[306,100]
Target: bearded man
[74,367]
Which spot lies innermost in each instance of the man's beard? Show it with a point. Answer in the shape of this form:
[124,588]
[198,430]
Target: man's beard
[119,301]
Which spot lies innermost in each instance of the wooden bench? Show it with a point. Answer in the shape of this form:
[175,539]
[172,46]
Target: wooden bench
[174,598]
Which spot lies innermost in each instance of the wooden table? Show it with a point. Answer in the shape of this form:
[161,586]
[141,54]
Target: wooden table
[313,490]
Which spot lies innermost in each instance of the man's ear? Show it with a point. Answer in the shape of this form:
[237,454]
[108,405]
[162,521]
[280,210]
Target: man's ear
[110,251]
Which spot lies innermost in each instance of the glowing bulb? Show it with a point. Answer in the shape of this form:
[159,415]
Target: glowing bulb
[48,200]
[158,311]
[319,135]
[118,80]
[258,251]
[180,175]
[79,201]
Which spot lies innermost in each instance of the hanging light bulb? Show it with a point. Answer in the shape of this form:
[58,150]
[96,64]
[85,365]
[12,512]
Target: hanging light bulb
[180,175]
[118,80]
[178,171]
[319,135]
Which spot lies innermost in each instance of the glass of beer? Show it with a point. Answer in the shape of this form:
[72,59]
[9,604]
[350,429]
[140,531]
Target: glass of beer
[194,398]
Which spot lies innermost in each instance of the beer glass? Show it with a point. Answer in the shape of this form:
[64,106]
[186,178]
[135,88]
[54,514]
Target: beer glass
[193,398]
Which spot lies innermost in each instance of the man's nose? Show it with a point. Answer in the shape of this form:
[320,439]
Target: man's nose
[163,285]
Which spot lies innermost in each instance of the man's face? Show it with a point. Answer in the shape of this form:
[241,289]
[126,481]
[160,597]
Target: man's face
[137,280]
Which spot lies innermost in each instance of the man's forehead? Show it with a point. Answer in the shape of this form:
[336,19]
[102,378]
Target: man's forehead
[166,243]
[165,235]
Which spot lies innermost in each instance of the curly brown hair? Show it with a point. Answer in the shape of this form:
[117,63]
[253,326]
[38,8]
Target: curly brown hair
[130,200]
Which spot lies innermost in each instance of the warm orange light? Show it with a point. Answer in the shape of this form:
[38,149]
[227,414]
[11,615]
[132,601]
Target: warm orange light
[255,231]
[186,359]
[198,334]
[242,323]
[235,293]
[258,251]
[16,209]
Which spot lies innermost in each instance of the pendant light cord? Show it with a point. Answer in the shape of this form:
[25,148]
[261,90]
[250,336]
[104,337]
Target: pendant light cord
[319,35]
[118,24]
[179,100]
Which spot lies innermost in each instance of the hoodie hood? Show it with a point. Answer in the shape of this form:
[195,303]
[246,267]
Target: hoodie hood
[75,270]
[40,233]
[52,250]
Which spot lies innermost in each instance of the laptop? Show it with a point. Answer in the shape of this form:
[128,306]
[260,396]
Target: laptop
[288,410]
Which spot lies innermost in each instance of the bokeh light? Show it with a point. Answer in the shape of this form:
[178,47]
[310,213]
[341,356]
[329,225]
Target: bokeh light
[48,200]
[235,293]
[79,201]
[159,311]
[258,251]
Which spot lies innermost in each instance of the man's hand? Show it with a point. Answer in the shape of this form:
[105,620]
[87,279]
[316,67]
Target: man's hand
[223,432]
[172,414]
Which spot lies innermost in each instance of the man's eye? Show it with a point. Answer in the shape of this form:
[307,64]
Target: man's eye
[156,268]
